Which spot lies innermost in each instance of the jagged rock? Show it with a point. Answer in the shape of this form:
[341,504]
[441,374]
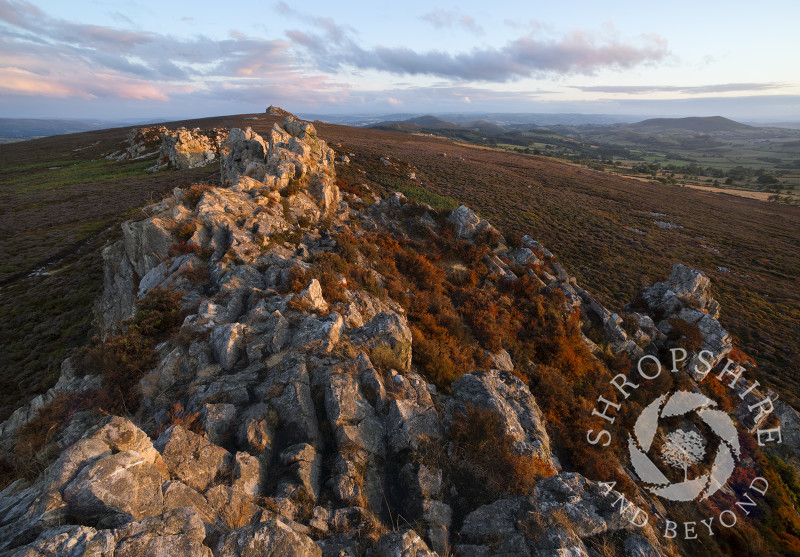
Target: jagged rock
[242,154]
[789,449]
[287,390]
[320,519]
[146,243]
[522,256]
[311,409]
[271,538]
[312,295]
[185,149]
[169,275]
[227,342]
[69,541]
[123,483]
[142,140]
[388,332]
[178,533]
[257,430]
[467,223]
[278,111]
[496,521]
[218,422]
[306,465]
[354,419]
[686,295]
[500,360]
[683,285]
[504,393]
[67,382]
[232,507]
[612,327]
[177,495]
[121,434]
[321,335]
[498,268]
[191,458]
[412,416]
[536,247]
[402,544]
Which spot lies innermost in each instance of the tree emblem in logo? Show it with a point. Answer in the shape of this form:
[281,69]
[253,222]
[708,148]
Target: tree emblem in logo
[682,449]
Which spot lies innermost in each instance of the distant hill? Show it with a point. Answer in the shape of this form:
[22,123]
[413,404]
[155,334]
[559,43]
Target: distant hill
[30,128]
[707,124]
[420,122]
[484,127]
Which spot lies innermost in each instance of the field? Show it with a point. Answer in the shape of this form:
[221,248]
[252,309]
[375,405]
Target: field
[62,202]
[695,151]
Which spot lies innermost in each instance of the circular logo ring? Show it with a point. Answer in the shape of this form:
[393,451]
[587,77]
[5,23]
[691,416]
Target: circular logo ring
[683,447]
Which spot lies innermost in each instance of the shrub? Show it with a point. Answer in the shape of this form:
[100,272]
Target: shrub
[630,324]
[125,358]
[178,415]
[685,335]
[489,461]
[185,230]
[34,451]
[181,249]
[193,194]
[514,239]
[293,188]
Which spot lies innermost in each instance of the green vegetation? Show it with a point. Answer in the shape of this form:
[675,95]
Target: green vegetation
[54,175]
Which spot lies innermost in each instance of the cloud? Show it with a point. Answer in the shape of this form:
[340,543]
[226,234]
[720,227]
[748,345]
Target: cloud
[45,56]
[528,56]
[441,18]
[692,90]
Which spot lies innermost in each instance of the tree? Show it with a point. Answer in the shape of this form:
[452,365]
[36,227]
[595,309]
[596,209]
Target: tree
[683,449]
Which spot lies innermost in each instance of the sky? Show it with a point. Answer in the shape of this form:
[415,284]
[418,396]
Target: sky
[108,59]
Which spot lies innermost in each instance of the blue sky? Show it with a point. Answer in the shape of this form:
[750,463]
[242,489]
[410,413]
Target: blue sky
[178,59]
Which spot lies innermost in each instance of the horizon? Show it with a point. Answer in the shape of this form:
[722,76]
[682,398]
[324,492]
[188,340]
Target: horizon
[101,60]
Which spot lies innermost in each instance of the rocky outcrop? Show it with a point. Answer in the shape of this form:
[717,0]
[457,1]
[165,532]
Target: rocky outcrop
[142,143]
[686,295]
[468,224]
[184,149]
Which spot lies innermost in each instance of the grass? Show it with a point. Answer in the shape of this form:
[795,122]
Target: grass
[424,195]
[82,171]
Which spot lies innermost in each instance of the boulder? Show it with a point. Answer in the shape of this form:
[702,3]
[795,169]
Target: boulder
[402,544]
[272,538]
[467,223]
[193,459]
[122,484]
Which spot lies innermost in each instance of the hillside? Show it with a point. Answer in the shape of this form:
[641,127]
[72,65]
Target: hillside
[291,354]
[418,123]
[708,124]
